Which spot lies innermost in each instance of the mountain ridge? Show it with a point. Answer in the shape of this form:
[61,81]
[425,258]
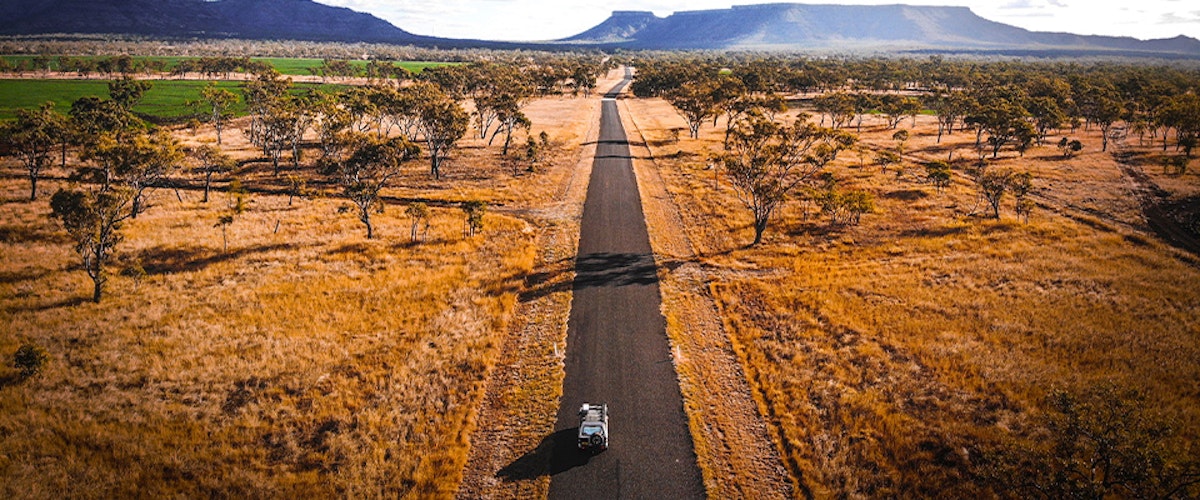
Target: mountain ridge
[253,19]
[771,26]
[792,26]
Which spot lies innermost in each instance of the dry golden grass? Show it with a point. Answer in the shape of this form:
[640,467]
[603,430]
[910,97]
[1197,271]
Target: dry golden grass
[304,360]
[880,353]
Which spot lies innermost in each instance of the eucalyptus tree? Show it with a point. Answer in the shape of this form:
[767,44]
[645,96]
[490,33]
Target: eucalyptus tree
[583,77]
[999,112]
[274,113]
[264,95]
[839,106]
[510,118]
[218,101]
[32,138]
[442,122]
[938,173]
[1100,103]
[212,161]
[371,164]
[766,161]
[896,107]
[1046,114]
[1181,113]
[137,163]
[499,89]
[330,121]
[128,92]
[728,93]
[277,131]
[93,121]
[694,102]
[950,108]
[93,220]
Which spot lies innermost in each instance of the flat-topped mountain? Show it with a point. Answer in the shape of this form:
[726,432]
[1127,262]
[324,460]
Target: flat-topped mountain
[253,19]
[883,27]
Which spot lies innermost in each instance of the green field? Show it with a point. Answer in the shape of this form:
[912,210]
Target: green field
[166,99]
[286,66]
[302,66]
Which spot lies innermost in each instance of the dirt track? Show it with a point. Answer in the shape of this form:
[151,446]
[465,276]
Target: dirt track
[1153,200]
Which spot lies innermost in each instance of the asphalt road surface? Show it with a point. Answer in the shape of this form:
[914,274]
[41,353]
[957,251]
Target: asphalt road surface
[617,351]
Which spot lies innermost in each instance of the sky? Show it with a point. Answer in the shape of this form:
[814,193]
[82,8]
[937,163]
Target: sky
[535,20]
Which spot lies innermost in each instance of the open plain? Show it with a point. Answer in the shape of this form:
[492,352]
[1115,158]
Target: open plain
[258,344]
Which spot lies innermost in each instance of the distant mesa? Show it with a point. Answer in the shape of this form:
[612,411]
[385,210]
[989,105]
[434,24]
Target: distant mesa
[777,26]
[783,26]
[622,26]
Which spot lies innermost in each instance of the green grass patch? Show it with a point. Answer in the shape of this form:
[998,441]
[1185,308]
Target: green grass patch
[18,94]
[167,99]
[289,66]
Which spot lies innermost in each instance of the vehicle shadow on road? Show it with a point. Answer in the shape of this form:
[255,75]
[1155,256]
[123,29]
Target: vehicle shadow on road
[556,453]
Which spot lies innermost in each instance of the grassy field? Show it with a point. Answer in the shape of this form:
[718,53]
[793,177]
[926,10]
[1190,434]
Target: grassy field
[301,360]
[302,66]
[286,66]
[166,99]
[886,357]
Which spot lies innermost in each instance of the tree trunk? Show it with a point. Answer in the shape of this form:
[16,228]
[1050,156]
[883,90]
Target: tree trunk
[97,284]
[207,183]
[760,226]
[33,186]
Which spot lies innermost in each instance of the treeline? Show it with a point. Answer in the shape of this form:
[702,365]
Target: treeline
[1006,104]
[126,66]
[363,134]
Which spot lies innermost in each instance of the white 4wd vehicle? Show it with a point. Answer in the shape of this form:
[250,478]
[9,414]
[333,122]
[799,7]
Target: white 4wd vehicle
[593,427]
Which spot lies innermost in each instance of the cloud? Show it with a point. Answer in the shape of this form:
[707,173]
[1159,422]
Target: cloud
[1192,17]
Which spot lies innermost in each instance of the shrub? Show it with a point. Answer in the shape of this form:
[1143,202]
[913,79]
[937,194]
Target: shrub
[938,173]
[474,210]
[29,360]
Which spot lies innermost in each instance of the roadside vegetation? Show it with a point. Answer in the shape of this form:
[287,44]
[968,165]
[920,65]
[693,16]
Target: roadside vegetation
[961,302]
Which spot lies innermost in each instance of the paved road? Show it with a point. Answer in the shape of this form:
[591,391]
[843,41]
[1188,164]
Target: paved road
[617,349]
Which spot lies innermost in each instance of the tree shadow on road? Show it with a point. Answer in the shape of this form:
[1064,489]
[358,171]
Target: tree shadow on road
[556,453]
[615,269]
